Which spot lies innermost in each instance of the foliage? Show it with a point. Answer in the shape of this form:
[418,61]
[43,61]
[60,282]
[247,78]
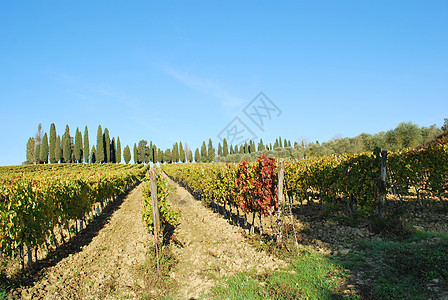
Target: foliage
[99,154]
[310,276]
[52,143]
[252,187]
[78,146]
[35,199]
[30,146]
[118,152]
[127,154]
[86,150]
[44,150]
[167,215]
[106,145]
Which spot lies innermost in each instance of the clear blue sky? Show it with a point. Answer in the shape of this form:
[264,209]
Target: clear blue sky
[184,70]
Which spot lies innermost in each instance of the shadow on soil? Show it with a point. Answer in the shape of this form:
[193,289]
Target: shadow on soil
[28,277]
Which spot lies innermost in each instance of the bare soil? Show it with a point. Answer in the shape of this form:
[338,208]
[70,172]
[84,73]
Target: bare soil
[100,263]
[210,248]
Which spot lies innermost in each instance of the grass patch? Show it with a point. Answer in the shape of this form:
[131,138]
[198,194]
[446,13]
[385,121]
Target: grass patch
[4,285]
[309,276]
[3,293]
[403,269]
[158,283]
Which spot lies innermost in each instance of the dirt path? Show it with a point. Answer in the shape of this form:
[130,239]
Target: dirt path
[106,267]
[212,248]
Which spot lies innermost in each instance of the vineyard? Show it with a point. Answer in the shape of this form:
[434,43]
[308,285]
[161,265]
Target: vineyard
[350,182]
[40,202]
[44,206]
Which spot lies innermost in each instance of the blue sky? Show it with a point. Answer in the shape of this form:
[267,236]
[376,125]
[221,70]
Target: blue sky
[182,71]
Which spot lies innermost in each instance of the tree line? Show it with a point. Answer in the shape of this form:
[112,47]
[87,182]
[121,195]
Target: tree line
[72,149]
[65,148]
[405,135]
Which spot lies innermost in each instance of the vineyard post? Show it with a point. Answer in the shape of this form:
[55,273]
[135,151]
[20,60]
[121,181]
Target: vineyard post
[155,206]
[30,256]
[382,183]
[281,175]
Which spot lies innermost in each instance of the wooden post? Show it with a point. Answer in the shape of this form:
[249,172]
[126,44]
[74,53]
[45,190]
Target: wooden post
[153,157]
[382,183]
[30,256]
[155,206]
[281,176]
[280,199]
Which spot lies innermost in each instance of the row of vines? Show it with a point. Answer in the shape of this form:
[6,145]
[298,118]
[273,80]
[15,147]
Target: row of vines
[351,181]
[168,217]
[250,187]
[36,200]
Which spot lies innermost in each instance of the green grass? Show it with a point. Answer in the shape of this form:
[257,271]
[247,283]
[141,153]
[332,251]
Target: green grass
[402,269]
[158,284]
[3,293]
[309,276]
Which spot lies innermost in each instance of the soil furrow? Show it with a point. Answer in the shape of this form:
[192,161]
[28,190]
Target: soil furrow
[212,248]
[106,267]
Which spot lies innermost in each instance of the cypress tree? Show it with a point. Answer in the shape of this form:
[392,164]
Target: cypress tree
[30,150]
[118,152]
[160,156]
[66,154]
[93,155]
[86,145]
[37,154]
[58,149]
[113,151]
[182,155]
[168,156]
[211,151]
[78,146]
[203,152]
[38,137]
[44,150]
[175,153]
[261,145]
[280,142]
[99,150]
[225,148]
[241,149]
[141,151]
[196,155]
[219,149]
[38,141]
[285,143]
[135,154]
[231,149]
[147,151]
[106,143]
[190,156]
[127,154]
[53,143]
[153,153]
[67,150]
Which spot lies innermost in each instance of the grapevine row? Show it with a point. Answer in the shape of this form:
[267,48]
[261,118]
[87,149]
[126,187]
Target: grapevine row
[34,200]
[351,181]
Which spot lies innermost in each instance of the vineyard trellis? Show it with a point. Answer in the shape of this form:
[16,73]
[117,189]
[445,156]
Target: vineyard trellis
[356,183]
[36,200]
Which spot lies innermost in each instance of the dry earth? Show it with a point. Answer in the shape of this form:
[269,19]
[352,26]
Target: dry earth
[103,261]
[105,267]
[211,248]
